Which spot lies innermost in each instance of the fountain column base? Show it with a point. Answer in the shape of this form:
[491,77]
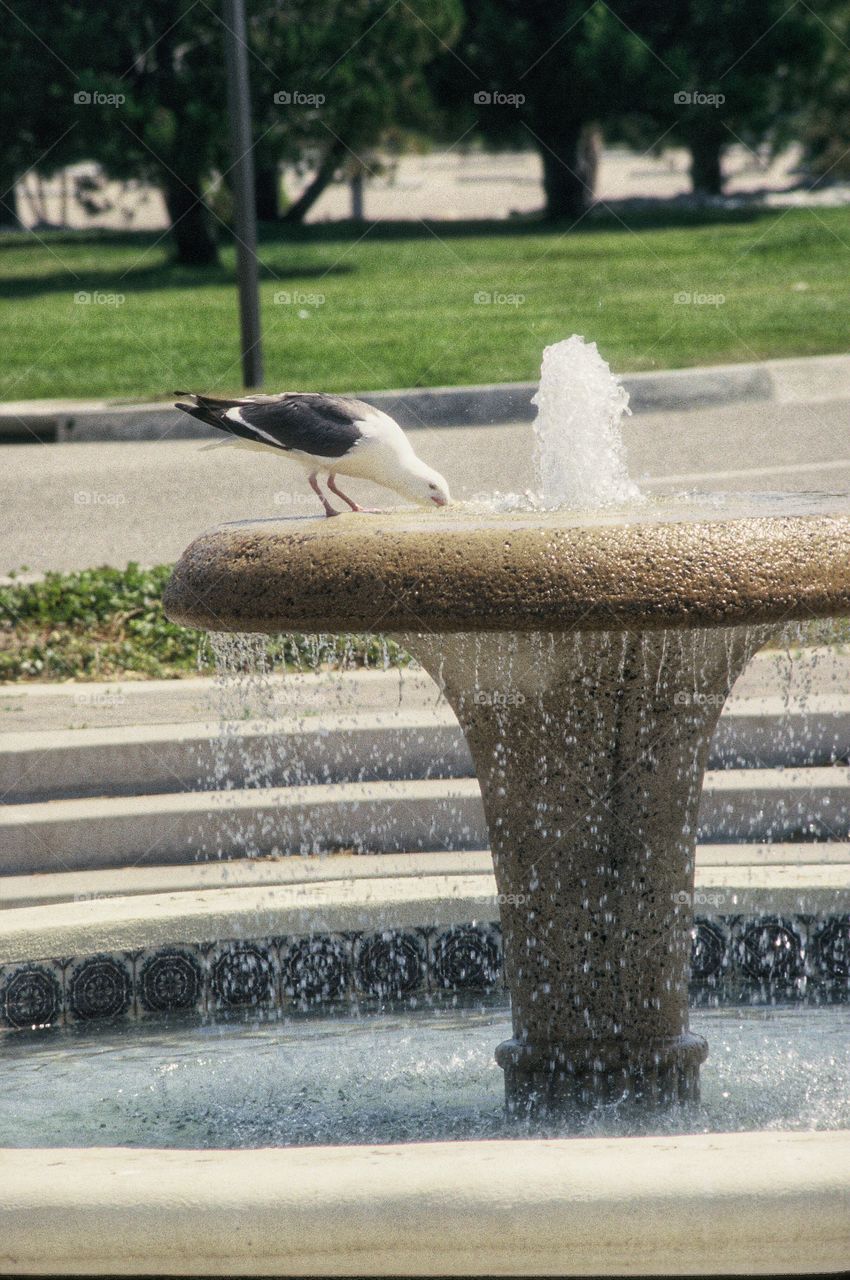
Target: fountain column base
[590,750]
[543,1080]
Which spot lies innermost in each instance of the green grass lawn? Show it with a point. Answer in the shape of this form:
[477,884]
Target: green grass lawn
[398,302]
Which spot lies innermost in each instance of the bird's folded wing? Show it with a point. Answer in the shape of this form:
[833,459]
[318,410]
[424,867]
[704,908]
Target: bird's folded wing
[322,425]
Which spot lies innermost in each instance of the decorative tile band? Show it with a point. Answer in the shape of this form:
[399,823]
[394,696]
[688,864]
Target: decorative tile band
[733,959]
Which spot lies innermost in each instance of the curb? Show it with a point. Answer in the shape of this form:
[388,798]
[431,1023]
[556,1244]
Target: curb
[805,380]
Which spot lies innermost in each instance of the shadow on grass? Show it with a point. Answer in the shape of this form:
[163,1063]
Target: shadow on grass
[161,275]
[164,273]
[606,218]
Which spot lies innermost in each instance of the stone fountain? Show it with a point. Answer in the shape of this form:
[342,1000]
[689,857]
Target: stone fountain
[587,658]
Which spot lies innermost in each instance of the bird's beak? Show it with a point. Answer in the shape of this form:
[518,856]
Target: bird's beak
[439,502]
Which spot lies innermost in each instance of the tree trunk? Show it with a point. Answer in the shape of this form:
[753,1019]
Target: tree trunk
[9,219]
[298,211]
[356,187]
[706,172]
[191,223]
[267,187]
[568,172]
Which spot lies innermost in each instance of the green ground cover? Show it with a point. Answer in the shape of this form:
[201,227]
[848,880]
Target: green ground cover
[102,624]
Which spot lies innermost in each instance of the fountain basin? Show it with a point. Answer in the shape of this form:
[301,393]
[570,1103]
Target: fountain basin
[669,565]
[587,661]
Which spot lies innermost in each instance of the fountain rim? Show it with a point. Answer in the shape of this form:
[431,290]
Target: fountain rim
[406,572]
[723,1203]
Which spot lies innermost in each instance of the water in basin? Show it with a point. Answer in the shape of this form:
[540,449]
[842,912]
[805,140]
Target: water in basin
[424,1074]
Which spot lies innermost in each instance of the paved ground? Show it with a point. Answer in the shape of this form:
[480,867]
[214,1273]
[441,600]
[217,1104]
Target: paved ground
[455,184]
[76,505]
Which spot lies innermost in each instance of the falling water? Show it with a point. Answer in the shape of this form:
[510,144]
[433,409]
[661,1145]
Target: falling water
[579,456]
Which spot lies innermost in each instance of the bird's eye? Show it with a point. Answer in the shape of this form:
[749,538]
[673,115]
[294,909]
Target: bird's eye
[433,488]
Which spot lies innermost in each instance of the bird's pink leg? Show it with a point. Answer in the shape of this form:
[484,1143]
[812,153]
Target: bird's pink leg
[339,493]
[314,485]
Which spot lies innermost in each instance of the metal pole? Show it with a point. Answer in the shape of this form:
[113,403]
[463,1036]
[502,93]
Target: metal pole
[242,173]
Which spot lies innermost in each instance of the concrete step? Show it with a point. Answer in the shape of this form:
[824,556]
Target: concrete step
[713,862]
[109,705]
[150,759]
[427,900]
[758,805]
[796,675]
[331,747]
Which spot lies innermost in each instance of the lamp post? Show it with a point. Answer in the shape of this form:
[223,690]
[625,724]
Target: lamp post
[242,170]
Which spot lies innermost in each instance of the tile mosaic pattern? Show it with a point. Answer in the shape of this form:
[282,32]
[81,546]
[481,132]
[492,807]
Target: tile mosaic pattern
[733,958]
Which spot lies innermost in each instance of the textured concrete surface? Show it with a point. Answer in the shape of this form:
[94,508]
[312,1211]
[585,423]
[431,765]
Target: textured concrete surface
[716,1204]
[455,571]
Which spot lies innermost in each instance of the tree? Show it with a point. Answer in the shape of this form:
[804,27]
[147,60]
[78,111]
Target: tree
[824,119]
[334,81]
[532,72]
[726,71]
[38,116]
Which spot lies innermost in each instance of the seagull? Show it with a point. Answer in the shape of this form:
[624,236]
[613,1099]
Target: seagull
[336,435]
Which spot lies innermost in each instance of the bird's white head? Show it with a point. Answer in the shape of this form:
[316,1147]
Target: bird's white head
[423,484]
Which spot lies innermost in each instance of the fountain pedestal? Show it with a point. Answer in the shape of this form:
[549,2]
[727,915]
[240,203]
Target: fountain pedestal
[587,664]
[590,749]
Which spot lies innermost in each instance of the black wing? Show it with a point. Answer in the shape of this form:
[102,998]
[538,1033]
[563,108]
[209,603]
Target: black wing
[309,422]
